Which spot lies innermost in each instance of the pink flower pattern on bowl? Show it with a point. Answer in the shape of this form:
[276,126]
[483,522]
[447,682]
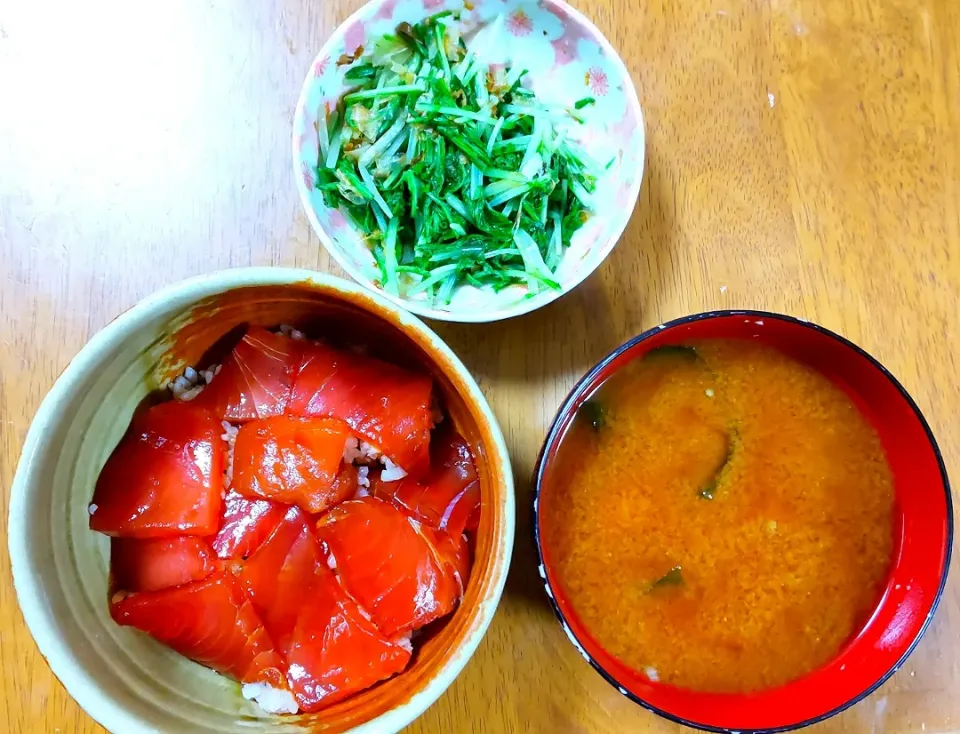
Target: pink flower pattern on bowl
[320,67]
[567,59]
[308,179]
[354,37]
[387,9]
[597,81]
[565,47]
[519,23]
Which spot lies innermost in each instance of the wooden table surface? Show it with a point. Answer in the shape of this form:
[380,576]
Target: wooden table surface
[803,157]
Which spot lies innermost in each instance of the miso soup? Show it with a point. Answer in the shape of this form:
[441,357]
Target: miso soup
[719,516]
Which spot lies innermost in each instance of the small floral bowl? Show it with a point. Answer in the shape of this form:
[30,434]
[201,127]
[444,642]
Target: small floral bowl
[567,59]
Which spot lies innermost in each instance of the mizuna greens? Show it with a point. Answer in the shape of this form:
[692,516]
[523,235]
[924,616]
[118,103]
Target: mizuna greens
[451,169]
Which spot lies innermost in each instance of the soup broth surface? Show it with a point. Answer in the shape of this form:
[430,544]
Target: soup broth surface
[719,516]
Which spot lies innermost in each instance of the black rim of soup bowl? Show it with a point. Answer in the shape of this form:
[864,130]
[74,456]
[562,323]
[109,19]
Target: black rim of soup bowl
[553,436]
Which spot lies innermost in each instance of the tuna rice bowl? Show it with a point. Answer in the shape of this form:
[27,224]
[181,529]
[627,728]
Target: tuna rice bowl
[241,506]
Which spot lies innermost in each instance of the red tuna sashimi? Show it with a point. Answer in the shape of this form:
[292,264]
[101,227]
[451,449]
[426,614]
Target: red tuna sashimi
[246,524]
[211,622]
[384,562]
[346,483]
[450,552]
[448,498]
[386,405]
[255,379]
[159,563]
[335,650]
[164,478]
[290,460]
[279,575]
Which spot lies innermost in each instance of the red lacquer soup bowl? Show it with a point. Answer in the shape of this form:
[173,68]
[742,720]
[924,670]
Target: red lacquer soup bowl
[923,534]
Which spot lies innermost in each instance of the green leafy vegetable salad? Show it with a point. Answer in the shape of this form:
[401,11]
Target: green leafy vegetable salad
[450,167]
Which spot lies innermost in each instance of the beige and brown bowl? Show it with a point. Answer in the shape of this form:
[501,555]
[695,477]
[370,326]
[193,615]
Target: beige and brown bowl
[123,679]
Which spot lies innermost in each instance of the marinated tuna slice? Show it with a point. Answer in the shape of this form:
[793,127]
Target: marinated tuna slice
[245,525]
[386,564]
[384,404]
[279,575]
[159,563]
[255,379]
[450,552]
[448,498]
[164,478]
[347,482]
[336,650]
[290,460]
[211,622]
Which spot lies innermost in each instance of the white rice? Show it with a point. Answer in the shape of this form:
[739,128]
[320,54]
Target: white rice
[230,436]
[391,472]
[363,476]
[208,374]
[359,452]
[405,643]
[363,454]
[652,673]
[351,452]
[271,700]
[288,330]
[191,383]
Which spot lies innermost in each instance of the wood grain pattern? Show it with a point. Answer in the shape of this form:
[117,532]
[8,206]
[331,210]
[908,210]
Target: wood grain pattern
[803,156]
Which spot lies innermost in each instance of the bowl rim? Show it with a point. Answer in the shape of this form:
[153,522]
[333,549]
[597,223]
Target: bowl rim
[552,435]
[98,704]
[472,316]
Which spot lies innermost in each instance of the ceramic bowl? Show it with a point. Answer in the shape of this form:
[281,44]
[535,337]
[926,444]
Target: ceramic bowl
[923,534]
[122,678]
[568,59]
